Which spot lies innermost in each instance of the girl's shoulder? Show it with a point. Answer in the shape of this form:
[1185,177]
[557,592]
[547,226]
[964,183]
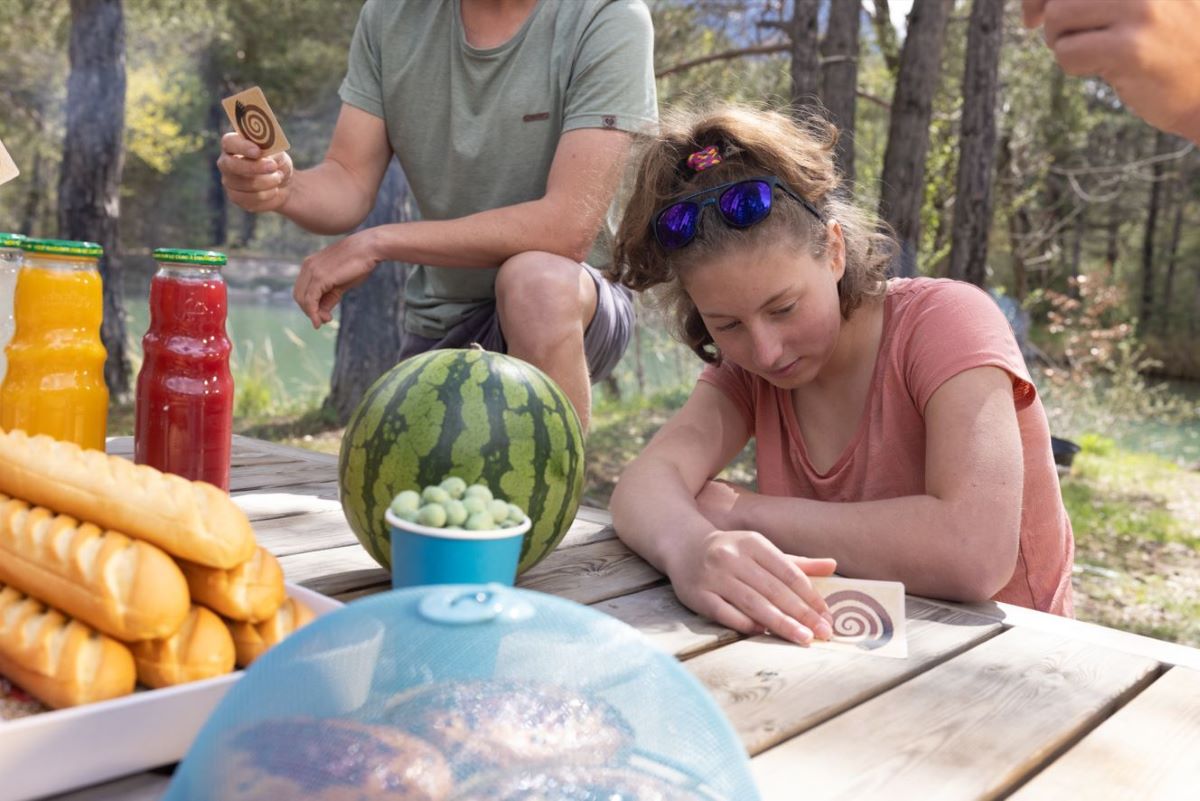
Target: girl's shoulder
[913,299]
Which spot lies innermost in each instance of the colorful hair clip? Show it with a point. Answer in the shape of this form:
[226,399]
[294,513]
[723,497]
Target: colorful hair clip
[704,158]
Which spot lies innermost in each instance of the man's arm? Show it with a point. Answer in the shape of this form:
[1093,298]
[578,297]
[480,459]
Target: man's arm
[331,198]
[583,179]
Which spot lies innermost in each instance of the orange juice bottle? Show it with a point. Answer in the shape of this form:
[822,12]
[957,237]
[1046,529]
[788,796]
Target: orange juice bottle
[55,380]
[10,263]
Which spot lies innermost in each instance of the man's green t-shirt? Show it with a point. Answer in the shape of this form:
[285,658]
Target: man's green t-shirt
[477,129]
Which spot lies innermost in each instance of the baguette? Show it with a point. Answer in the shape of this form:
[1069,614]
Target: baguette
[189,519]
[252,640]
[201,649]
[252,591]
[59,660]
[126,588]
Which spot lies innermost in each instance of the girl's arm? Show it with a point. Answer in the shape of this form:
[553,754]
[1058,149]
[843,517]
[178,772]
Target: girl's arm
[737,578]
[957,541]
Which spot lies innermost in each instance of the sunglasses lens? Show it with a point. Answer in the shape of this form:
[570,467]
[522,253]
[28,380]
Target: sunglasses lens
[676,225]
[745,203]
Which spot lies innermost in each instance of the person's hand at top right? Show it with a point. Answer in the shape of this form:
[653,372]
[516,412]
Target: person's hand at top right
[252,181]
[1147,50]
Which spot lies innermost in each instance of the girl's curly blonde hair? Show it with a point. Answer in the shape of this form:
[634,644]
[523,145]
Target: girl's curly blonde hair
[752,142]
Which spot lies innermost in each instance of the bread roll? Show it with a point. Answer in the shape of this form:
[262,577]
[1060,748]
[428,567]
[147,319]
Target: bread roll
[252,591]
[201,649]
[189,519]
[126,588]
[57,659]
[253,639]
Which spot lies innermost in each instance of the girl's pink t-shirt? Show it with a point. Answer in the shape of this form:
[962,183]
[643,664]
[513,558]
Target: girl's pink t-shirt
[933,329]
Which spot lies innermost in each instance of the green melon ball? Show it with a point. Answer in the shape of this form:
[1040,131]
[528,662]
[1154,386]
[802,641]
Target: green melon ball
[454,486]
[407,501]
[456,513]
[432,494]
[478,491]
[480,521]
[474,504]
[515,513]
[432,514]
[498,509]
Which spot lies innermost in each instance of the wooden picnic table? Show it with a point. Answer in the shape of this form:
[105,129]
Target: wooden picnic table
[992,700]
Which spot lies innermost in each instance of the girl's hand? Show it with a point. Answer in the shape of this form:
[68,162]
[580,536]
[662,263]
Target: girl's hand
[717,501]
[743,581]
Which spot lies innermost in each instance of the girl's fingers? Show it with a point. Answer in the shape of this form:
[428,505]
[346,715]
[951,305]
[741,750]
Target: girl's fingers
[784,568]
[783,592]
[766,616]
[815,567]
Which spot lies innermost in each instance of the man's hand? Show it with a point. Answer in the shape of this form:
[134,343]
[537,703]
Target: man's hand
[253,182]
[1147,50]
[327,274]
[742,581]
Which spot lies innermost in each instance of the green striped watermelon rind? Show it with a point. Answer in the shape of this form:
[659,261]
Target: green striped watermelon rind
[499,448]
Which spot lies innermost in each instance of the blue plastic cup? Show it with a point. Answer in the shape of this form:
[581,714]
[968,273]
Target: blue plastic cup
[424,555]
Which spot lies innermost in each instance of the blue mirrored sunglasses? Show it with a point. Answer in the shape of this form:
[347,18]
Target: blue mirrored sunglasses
[740,204]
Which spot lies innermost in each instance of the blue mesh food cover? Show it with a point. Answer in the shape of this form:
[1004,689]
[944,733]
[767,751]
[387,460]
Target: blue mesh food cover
[466,693]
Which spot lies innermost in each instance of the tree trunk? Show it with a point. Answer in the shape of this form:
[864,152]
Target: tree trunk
[218,205]
[93,157]
[1162,145]
[33,201]
[903,184]
[806,64]
[249,227]
[885,34]
[1112,246]
[370,330]
[1055,190]
[839,77]
[1181,195]
[1019,223]
[977,144]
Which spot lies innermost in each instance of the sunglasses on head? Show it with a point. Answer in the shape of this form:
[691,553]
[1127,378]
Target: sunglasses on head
[740,204]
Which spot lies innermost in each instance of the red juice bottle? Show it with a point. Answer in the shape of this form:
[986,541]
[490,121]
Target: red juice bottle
[185,390]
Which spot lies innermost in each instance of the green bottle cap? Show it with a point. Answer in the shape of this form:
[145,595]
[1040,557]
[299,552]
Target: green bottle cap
[10,240]
[200,258]
[63,247]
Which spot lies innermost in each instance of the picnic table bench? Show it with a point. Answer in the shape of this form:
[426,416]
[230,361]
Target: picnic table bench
[992,700]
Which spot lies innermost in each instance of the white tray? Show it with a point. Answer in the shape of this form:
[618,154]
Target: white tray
[60,750]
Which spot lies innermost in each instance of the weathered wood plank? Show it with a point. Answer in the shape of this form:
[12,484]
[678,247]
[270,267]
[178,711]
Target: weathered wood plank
[268,505]
[772,690]
[285,451]
[276,475]
[315,531]
[585,574]
[591,573]
[1018,616]
[972,727]
[583,531]
[1147,750]
[668,624]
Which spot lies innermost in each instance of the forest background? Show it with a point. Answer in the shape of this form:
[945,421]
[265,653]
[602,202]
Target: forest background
[991,165]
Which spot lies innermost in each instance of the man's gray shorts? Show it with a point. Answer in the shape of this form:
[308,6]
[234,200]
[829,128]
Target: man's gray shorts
[603,343]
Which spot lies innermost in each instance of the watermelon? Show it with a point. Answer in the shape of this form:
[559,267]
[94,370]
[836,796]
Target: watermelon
[484,417]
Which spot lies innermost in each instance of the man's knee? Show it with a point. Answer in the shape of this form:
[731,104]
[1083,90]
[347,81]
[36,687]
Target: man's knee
[537,286]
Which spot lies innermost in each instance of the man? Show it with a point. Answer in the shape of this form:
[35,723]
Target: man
[512,120]
[1147,50]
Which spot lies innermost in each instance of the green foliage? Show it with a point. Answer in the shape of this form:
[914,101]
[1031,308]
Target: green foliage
[1096,444]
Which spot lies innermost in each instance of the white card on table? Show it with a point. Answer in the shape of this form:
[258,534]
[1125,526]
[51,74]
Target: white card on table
[251,116]
[8,167]
[867,615]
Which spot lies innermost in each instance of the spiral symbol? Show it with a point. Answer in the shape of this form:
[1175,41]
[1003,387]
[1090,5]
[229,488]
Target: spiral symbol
[859,618]
[254,124]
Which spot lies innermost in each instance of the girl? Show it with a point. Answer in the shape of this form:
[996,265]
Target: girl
[896,425]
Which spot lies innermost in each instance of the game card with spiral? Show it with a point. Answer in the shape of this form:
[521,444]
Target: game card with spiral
[251,116]
[867,615]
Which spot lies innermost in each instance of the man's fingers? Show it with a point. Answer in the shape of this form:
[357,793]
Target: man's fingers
[255,182]
[1032,11]
[1068,17]
[1089,53]
[235,144]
